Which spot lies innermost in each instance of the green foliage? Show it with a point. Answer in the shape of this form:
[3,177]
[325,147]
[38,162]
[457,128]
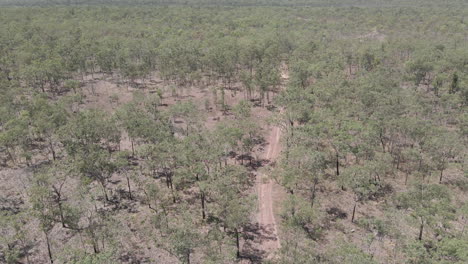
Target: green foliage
[374,224]
[183,238]
[89,130]
[243,109]
[430,205]
[454,250]
[13,236]
[420,67]
[348,253]
[296,249]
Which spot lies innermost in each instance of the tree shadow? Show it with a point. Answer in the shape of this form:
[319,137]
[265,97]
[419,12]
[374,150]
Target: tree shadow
[254,234]
[11,205]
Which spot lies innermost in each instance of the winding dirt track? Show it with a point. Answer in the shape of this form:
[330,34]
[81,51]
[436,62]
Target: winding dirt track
[266,219]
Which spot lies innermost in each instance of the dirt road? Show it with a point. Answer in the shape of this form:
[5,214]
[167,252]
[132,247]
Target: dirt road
[269,241]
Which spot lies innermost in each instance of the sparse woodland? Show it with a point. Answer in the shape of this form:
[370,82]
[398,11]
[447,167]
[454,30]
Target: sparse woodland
[136,133]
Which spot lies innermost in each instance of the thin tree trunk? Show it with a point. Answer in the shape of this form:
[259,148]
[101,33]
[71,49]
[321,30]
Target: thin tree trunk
[337,165]
[398,162]
[58,200]
[62,218]
[421,228]
[95,247]
[49,250]
[382,141]
[129,189]
[165,216]
[168,182]
[441,176]
[237,243]
[314,189]
[172,190]
[52,150]
[354,212]
[202,197]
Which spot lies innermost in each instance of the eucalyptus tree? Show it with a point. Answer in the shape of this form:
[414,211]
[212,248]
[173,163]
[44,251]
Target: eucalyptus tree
[89,139]
[194,168]
[14,239]
[362,182]
[302,171]
[189,114]
[46,119]
[15,137]
[183,238]
[267,78]
[50,186]
[223,58]
[44,211]
[233,206]
[420,67]
[430,205]
[442,148]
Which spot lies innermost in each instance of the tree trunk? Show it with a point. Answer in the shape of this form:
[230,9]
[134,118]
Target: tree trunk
[129,189]
[168,182]
[49,250]
[398,162]
[237,243]
[202,197]
[382,141]
[354,212]
[52,150]
[421,228]
[314,189]
[172,190]
[441,176]
[337,165]
[95,247]
[62,218]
